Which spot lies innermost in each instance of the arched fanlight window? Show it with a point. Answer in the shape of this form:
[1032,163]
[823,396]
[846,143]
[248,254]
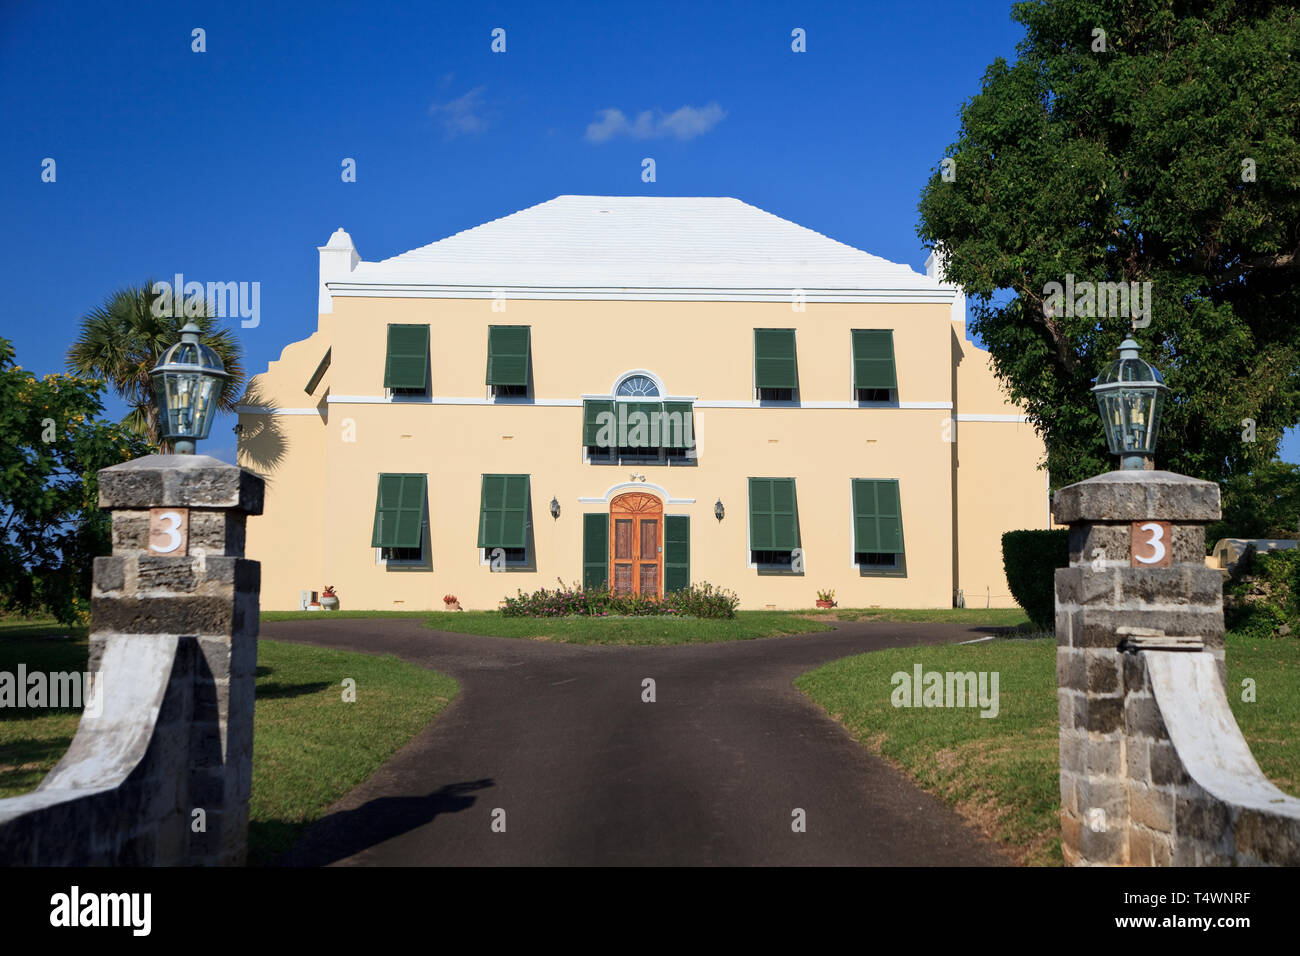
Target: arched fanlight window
[637,386]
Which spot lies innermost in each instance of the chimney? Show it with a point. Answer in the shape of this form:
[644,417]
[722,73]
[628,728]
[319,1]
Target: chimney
[934,269]
[338,258]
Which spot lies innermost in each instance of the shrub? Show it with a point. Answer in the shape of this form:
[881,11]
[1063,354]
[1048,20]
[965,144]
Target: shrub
[1030,559]
[698,600]
[1264,594]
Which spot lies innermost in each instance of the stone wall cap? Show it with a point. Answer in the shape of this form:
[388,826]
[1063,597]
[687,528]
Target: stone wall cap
[180,481]
[1137,496]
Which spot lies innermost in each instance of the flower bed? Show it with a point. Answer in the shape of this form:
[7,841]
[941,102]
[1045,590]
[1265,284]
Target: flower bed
[700,600]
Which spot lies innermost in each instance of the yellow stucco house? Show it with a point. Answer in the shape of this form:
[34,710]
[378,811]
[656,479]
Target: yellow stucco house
[640,392]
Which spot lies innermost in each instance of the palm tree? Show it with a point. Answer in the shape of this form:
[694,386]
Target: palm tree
[123,339]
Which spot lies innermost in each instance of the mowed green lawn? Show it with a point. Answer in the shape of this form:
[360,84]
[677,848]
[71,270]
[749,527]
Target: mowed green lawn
[652,630]
[1002,773]
[310,746]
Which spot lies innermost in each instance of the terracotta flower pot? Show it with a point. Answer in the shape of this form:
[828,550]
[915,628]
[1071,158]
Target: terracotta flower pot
[826,604]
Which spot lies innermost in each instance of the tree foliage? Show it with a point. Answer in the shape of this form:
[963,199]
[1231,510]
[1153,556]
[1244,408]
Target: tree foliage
[121,340]
[51,449]
[1171,156]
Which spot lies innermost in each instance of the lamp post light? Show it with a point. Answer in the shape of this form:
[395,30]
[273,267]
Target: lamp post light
[187,383]
[1130,396]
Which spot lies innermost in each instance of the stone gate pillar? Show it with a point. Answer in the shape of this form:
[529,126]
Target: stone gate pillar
[1154,770]
[1117,763]
[178,570]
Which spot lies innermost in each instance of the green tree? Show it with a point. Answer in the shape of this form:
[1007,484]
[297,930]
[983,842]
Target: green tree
[1137,141]
[1262,504]
[51,449]
[121,340]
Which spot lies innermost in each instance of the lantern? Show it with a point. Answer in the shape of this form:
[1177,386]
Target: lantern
[1130,397]
[187,381]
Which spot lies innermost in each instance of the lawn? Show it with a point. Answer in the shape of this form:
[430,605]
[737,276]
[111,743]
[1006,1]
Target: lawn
[309,746]
[1002,773]
[652,630]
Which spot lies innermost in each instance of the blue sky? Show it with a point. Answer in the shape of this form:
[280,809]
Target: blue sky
[225,165]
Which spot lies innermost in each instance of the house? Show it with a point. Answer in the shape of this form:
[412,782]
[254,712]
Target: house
[642,393]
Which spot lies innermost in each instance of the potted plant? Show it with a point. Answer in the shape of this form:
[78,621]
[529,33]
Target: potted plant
[826,599]
[328,599]
[450,603]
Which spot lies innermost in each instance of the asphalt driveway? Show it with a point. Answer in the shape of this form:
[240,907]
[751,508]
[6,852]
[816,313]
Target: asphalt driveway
[558,738]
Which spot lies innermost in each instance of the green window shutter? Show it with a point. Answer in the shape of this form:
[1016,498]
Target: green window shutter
[677,429]
[503,512]
[773,514]
[775,365]
[507,355]
[677,552]
[407,362]
[591,410]
[877,517]
[873,359]
[399,512]
[595,550]
[644,437]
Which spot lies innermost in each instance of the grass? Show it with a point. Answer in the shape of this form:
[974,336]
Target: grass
[1002,774]
[33,739]
[975,617]
[309,747]
[746,625]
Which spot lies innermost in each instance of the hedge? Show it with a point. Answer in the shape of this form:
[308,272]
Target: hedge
[1030,559]
[1264,594]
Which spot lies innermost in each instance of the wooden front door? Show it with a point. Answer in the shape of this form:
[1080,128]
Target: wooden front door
[636,554]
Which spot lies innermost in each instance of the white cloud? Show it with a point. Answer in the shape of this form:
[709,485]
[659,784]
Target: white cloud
[684,123]
[463,115]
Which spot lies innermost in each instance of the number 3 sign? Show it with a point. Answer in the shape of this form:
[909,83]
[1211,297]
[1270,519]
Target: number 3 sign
[1151,544]
[169,531]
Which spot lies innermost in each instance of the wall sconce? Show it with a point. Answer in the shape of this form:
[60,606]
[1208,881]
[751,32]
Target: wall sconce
[718,510]
[239,428]
[555,507]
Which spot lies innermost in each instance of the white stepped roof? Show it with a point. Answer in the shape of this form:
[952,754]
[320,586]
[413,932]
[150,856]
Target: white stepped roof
[611,243]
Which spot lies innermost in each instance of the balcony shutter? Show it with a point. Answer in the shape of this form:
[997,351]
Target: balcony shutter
[647,437]
[503,512]
[406,364]
[677,428]
[773,514]
[877,517]
[591,411]
[507,355]
[595,550]
[775,365]
[873,359]
[677,552]
[399,512]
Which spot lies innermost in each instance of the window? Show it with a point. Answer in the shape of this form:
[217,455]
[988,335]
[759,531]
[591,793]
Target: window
[509,360]
[776,369]
[638,386]
[634,432]
[874,376]
[401,527]
[505,520]
[402,555]
[774,525]
[406,362]
[873,394]
[877,527]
